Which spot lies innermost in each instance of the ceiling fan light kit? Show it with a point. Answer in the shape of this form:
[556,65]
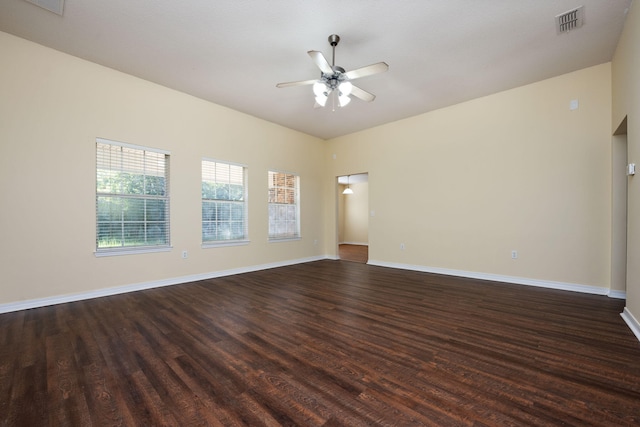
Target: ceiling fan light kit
[335,82]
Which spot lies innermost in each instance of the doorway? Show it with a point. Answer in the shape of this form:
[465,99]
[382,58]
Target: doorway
[353,217]
[619,191]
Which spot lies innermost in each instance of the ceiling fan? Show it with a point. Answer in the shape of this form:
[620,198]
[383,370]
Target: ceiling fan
[334,81]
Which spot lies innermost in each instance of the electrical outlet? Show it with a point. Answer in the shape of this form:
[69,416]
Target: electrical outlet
[185,254]
[514,254]
[315,242]
[402,246]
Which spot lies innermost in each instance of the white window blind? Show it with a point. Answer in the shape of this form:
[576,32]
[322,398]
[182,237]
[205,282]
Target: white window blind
[132,197]
[284,211]
[224,207]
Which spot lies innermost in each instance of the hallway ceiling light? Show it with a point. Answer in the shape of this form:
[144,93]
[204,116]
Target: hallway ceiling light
[348,190]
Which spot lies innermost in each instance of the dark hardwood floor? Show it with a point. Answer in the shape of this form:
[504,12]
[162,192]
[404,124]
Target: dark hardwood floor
[354,253]
[326,343]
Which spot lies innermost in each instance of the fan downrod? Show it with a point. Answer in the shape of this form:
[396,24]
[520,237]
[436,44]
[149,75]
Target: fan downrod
[333,41]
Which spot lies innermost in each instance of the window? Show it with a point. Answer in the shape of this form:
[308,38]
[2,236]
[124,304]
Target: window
[132,197]
[284,209]
[224,207]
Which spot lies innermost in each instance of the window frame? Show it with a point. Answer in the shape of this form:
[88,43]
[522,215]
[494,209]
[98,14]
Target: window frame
[283,237]
[245,206]
[165,223]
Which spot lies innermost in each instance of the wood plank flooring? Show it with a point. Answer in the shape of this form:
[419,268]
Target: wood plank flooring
[327,343]
[354,253]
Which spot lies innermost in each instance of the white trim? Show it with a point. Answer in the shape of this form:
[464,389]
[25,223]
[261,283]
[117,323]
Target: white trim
[354,243]
[224,243]
[283,239]
[632,322]
[131,251]
[282,171]
[617,294]
[135,147]
[60,299]
[211,159]
[497,278]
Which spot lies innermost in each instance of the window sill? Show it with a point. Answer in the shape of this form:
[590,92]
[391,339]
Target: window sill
[131,251]
[283,239]
[224,243]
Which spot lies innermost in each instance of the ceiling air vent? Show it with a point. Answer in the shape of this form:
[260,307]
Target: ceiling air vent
[570,20]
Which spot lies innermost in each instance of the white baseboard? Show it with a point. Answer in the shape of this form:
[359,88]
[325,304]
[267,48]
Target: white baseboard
[60,299]
[632,322]
[617,294]
[354,243]
[42,302]
[497,278]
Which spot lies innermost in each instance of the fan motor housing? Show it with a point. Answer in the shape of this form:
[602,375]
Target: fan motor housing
[333,80]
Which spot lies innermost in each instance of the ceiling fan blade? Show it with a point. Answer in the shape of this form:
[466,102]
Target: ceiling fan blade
[321,61]
[379,67]
[300,83]
[362,94]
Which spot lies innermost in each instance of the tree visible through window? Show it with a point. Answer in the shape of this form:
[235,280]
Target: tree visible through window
[283,205]
[223,202]
[132,196]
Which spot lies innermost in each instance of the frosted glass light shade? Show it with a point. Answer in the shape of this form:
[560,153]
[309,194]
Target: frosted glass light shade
[344,100]
[345,88]
[321,100]
[319,88]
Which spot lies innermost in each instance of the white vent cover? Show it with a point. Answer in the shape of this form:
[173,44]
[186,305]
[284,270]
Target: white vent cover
[570,20]
[54,6]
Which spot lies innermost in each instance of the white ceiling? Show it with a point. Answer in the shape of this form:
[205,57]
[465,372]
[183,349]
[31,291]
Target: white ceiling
[233,52]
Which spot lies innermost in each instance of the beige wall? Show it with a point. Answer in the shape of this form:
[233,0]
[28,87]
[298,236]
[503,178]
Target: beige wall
[356,215]
[463,186]
[626,103]
[52,108]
